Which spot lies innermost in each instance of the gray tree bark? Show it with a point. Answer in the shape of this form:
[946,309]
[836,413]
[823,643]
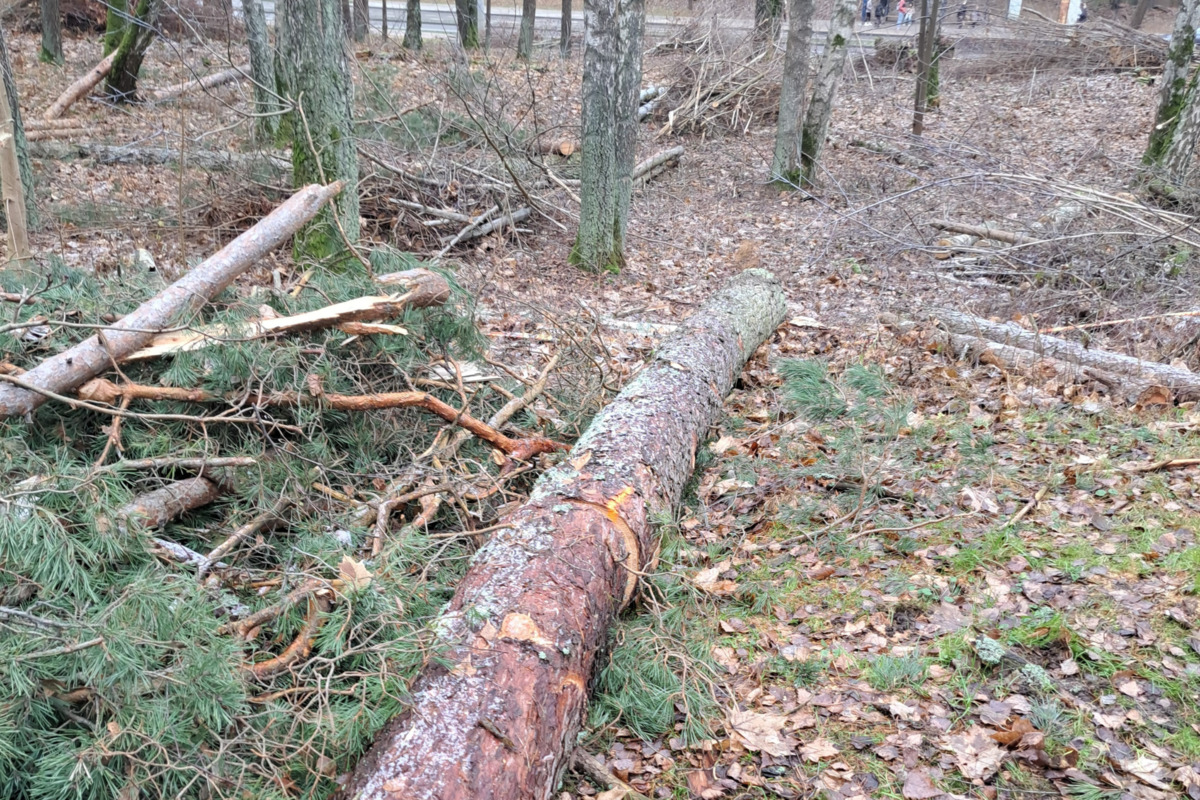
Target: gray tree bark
[22,147]
[1175,80]
[564,36]
[51,33]
[320,90]
[785,163]
[496,716]
[383,20]
[262,70]
[136,37]
[1139,13]
[362,20]
[466,15]
[412,25]
[528,22]
[1177,162]
[926,68]
[829,75]
[612,74]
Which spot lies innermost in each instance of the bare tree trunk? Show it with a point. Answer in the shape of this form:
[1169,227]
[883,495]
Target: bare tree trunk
[383,21]
[926,43]
[466,14]
[12,190]
[1139,13]
[322,136]
[76,365]
[262,70]
[412,25]
[362,20]
[51,51]
[564,36]
[785,164]
[135,40]
[20,148]
[612,75]
[80,87]
[767,14]
[487,26]
[521,637]
[528,22]
[829,75]
[1175,80]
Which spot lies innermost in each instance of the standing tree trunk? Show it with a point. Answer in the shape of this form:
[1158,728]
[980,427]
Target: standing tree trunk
[564,36]
[767,15]
[1139,13]
[362,19]
[466,15]
[487,26]
[1172,100]
[612,74]
[412,25]
[115,20]
[528,22]
[135,40]
[16,179]
[262,70]
[926,65]
[383,21]
[785,164]
[319,88]
[820,108]
[1177,162]
[497,713]
[21,147]
[51,51]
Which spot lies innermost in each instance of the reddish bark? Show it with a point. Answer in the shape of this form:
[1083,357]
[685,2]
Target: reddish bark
[524,628]
[157,508]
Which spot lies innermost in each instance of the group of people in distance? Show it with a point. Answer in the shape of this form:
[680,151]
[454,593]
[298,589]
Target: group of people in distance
[884,7]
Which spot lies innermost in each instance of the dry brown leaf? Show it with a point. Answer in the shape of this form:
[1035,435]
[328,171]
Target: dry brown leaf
[975,754]
[353,572]
[818,749]
[919,786]
[761,732]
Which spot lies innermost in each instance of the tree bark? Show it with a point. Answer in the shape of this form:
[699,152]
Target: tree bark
[1177,161]
[207,82]
[262,71]
[116,18]
[767,14]
[80,87]
[19,147]
[217,160]
[320,121]
[52,52]
[412,25]
[564,35]
[612,75]
[157,508]
[524,629]
[926,43]
[820,108]
[1139,13]
[136,37]
[12,193]
[1184,383]
[1175,80]
[785,164]
[362,20]
[466,15]
[528,22]
[86,360]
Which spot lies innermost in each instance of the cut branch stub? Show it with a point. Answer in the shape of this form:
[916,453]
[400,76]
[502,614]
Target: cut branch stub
[529,618]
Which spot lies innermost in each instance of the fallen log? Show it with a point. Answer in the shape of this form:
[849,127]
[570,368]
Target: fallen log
[207,82]
[80,87]
[44,134]
[1184,383]
[157,508]
[72,367]
[984,232]
[424,289]
[496,716]
[217,160]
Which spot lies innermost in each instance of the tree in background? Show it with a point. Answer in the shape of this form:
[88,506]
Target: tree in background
[51,32]
[361,22]
[528,23]
[767,16]
[466,15]
[829,75]
[17,161]
[785,163]
[136,36]
[116,15]
[564,35]
[412,25]
[1177,84]
[927,66]
[262,70]
[314,75]
[612,76]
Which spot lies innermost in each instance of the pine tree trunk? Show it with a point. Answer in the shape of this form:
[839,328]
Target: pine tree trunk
[528,22]
[612,75]
[323,148]
[829,75]
[362,20]
[785,164]
[114,24]
[262,70]
[564,36]
[1139,13]
[412,25]
[496,715]
[20,146]
[466,14]
[51,51]
[135,40]
[1174,81]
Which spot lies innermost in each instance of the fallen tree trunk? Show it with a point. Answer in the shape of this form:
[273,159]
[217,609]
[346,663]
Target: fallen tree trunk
[655,164]
[207,82]
[80,87]
[1182,382]
[523,631]
[984,232]
[157,508]
[72,367]
[153,156]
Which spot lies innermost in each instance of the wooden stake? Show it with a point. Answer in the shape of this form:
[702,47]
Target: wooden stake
[11,191]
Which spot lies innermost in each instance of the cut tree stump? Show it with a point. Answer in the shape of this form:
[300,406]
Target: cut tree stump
[522,634]
[72,367]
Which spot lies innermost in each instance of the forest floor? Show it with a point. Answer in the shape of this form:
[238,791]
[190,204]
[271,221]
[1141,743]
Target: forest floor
[845,604]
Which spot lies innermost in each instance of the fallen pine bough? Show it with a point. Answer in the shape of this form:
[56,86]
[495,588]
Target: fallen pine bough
[521,636]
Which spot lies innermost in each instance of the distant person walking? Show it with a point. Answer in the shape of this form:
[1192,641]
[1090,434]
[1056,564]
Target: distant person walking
[962,13]
[902,13]
[1082,13]
[866,11]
